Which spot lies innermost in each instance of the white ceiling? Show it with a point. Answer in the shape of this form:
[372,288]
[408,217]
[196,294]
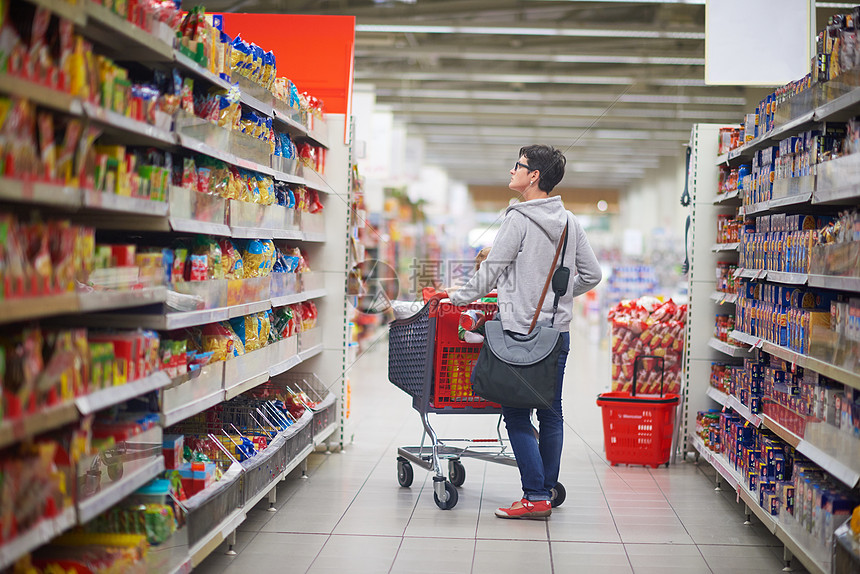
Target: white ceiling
[617,84]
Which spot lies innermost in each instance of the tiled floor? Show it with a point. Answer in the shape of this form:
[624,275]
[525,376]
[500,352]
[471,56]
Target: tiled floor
[350,516]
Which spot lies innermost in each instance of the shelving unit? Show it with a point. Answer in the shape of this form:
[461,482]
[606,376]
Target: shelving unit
[191,394]
[783,533]
[832,183]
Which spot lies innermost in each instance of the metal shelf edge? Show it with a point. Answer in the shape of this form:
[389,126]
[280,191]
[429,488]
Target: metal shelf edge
[325,434]
[189,410]
[93,506]
[40,534]
[105,300]
[105,398]
[237,389]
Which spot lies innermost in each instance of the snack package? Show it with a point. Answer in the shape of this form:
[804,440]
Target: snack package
[218,340]
[231,260]
[254,259]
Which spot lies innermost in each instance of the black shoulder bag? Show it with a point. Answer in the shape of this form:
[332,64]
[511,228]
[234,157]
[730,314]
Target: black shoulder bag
[522,370]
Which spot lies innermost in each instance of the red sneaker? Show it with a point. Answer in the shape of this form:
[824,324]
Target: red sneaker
[526,509]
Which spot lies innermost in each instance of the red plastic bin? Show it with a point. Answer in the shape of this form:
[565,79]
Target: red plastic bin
[454,359]
[638,430]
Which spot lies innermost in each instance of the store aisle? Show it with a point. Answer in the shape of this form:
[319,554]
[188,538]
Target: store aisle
[350,515]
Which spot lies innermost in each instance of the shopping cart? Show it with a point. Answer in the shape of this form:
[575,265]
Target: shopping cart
[638,430]
[428,361]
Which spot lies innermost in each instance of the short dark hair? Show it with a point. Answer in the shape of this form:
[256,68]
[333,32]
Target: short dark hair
[549,161]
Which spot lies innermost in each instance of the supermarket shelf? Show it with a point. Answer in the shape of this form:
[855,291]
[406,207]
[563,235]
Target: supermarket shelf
[834,372]
[64,9]
[117,121]
[92,507]
[719,463]
[159,321]
[308,353]
[193,67]
[721,297]
[122,36]
[314,237]
[316,181]
[51,194]
[105,300]
[780,431]
[725,198]
[753,274]
[718,396]
[324,434]
[108,397]
[718,247]
[294,234]
[831,282]
[200,147]
[778,204]
[12,310]
[289,178]
[244,386]
[133,205]
[293,127]
[252,233]
[15,430]
[735,404]
[298,297]
[835,451]
[41,95]
[194,226]
[767,139]
[255,103]
[798,551]
[838,195]
[285,365]
[189,410]
[248,308]
[787,278]
[727,349]
[318,136]
[41,534]
[211,541]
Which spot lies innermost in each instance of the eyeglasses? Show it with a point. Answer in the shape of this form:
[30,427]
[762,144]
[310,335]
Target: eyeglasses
[518,165]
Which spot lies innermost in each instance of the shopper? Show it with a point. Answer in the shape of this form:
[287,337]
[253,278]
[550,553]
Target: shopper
[517,265]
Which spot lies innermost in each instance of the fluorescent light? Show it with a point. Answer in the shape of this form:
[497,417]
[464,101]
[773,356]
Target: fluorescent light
[498,78]
[467,54]
[485,109]
[516,31]
[512,96]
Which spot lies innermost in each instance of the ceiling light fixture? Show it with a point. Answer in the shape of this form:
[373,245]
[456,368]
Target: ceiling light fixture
[511,96]
[524,31]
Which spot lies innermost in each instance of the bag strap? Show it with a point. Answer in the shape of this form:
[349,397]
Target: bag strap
[562,241]
[560,265]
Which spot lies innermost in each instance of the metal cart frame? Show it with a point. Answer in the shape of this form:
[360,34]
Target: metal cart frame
[411,367]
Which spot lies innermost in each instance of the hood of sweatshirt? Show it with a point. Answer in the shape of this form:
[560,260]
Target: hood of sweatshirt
[549,214]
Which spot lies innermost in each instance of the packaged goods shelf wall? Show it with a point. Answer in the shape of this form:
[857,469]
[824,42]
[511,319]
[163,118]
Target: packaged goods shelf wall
[324,235]
[831,183]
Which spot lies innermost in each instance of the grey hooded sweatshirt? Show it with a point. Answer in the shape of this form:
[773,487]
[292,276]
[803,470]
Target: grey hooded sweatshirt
[519,262]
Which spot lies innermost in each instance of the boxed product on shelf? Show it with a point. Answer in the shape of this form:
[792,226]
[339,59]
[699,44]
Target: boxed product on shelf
[647,327]
[201,40]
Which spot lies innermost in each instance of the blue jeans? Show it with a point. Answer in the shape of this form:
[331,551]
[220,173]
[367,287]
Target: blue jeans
[539,458]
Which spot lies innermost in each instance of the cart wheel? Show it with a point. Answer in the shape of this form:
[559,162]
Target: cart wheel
[559,494]
[452,497]
[456,472]
[404,472]
[114,471]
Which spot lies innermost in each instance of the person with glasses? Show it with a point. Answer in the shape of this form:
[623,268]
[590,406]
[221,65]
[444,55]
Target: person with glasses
[517,266]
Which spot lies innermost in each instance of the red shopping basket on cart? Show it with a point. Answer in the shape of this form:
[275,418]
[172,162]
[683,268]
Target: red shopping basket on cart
[638,430]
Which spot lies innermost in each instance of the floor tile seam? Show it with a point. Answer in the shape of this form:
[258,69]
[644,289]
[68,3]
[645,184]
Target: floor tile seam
[478,519]
[603,492]
[363,484]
